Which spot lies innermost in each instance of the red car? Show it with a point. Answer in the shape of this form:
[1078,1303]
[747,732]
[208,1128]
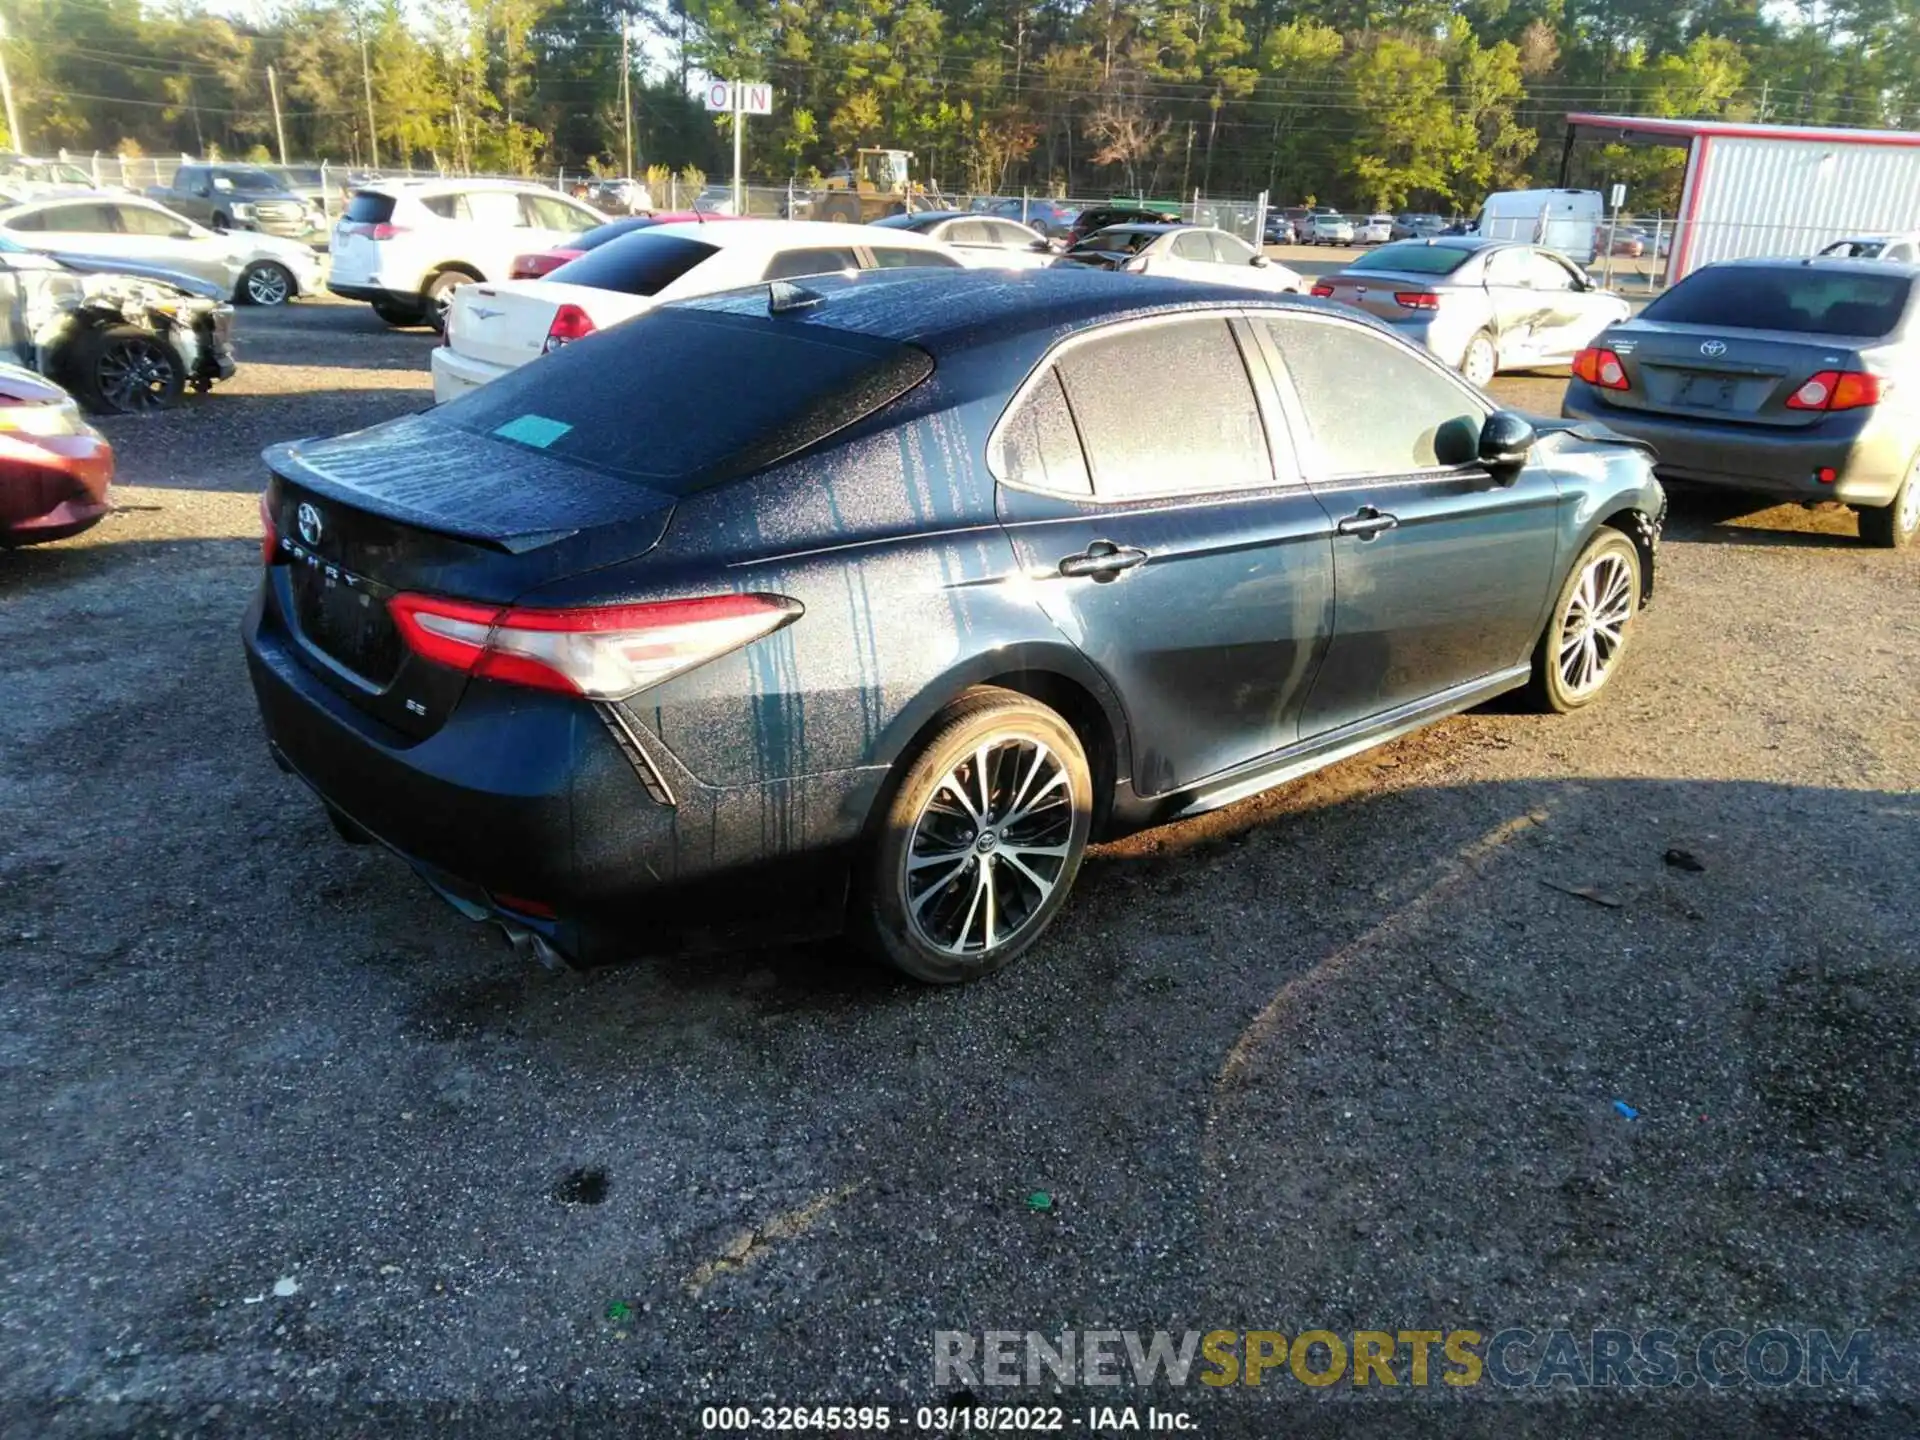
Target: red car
[54,467]
[544,262]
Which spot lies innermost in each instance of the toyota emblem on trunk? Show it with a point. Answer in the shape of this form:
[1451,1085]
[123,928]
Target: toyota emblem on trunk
[1713,348]
[308,519]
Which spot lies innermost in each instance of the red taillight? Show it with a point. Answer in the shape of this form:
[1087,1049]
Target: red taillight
[1416,300]
[1602,368]
[534,267]
[386,231]
[269,533]
[604,653]
[1323,290]
[570,323]
[1836,390]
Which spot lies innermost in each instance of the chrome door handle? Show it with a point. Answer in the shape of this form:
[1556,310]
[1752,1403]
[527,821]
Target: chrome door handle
[1367,523]
[1102,560]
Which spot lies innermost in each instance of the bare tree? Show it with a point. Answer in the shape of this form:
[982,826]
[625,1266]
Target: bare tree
[1125,127]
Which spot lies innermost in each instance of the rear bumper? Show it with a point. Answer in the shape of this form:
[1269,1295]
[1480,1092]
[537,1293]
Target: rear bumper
[538,796]
[1868,452]
[455,374]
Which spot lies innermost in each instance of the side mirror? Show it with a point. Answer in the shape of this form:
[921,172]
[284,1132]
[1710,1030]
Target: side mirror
[1259,262]
[1505,442]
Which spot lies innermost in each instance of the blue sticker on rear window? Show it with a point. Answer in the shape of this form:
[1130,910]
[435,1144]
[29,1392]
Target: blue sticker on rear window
[535,430]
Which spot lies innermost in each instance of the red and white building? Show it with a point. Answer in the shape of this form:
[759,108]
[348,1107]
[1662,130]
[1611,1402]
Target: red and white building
[1772,189]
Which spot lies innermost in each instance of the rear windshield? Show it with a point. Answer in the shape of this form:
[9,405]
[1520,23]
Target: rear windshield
[369,208]
[641,264]
[1414,259]
[612,230]
[1130,242]
[682,397]
[1795,298]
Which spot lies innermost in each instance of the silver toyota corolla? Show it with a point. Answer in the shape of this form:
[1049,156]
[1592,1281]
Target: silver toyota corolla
[1481,306]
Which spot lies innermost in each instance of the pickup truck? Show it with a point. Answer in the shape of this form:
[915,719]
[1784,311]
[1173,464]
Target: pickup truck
[240,197]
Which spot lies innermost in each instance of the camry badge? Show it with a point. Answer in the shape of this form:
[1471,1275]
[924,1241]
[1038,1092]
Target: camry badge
[308,519]
[1712,349]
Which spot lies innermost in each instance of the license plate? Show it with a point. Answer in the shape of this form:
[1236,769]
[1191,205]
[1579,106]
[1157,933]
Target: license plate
[339,613]
[1709,392]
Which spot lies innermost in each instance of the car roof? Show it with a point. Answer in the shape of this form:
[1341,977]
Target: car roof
[1832,264]
[790,234]
[948,311]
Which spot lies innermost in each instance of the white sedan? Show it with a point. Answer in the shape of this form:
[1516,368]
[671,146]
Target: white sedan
[1190,252]
[491,328]
[254,269]
[1378,230]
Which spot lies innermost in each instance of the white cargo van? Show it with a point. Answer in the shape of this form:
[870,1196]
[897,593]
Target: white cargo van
[1568,221]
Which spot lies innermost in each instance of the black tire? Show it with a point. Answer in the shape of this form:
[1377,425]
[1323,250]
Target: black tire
[266,282]
[924,824]
[398,314]
[1895,525]
[1556,686]
[846,212]
[439,296]
[220,222]
[127,370]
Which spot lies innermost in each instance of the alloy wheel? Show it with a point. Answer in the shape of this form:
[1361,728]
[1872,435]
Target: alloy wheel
[268,286]
[989,847]
[134,374]
[1594,626]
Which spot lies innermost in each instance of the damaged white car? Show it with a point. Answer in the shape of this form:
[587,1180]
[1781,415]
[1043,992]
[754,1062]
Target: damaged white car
[123,337]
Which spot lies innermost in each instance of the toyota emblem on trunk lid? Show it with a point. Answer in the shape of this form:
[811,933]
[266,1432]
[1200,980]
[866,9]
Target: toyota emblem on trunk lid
[1713,348]
[308,519]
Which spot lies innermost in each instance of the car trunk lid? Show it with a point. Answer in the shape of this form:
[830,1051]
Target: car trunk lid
[1375,292]
[508,324]
[1741,377]
[418,506]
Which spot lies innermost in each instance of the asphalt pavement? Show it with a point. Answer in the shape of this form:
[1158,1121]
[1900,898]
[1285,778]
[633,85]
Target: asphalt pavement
[1609,1021]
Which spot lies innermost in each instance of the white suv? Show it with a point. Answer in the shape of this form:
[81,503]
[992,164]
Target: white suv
[407,245]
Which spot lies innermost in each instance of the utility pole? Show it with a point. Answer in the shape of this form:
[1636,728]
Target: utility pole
[279,129]
[6,91]
[366,77]
[626,93]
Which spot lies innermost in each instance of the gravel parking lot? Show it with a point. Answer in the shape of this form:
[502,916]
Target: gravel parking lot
[283,1135]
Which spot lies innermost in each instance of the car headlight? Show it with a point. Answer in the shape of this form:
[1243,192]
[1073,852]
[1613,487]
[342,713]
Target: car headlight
[242,210]
[40,418]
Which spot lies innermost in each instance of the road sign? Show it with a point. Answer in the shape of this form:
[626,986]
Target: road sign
[1619,196]
[752,98]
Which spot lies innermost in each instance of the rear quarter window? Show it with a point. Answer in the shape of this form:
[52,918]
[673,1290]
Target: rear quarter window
[1796,299]
[636,264]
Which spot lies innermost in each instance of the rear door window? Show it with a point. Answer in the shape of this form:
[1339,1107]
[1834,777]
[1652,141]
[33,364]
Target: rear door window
[76,220]
[893,257]
[1339,371]
[1192,245]
[496,209]
[1166,409]
[638,264]
[820,260]
[1798,299]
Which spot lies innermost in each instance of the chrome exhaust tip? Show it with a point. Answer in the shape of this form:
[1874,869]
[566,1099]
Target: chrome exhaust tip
[531,945]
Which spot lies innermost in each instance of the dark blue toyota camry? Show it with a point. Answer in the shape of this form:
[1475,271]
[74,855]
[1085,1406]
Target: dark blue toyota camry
[868,603]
